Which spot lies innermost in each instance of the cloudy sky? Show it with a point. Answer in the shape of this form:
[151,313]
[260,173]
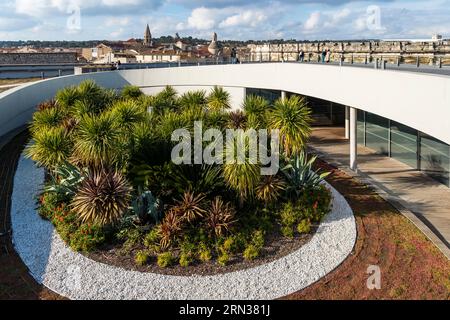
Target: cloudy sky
[231,19]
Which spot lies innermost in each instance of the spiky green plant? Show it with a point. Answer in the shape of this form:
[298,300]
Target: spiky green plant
[220,217]
[98,140]
[269,188]
[50,104]
[255,105]
[218,100]
[127,114]
[241,175]
[67,97]
[131,92]
[83,107]
[46,119]
[146,206]
[300,174]
[89,91]
[50,148]
[190,206]
[193,99]
[293,118]
[65,181]
[165,100]
[103,198]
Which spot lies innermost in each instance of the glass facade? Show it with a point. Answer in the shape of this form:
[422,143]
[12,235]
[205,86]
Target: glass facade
[269,95]
[405,144]
[377,133]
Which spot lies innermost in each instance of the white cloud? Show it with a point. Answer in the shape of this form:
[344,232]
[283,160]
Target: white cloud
[202,18]
[248,18]
[313,21]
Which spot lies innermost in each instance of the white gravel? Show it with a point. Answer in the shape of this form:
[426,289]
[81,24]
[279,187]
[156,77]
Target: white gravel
[74,276]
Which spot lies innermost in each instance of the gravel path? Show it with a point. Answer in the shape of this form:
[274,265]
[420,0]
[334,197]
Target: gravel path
[74,276]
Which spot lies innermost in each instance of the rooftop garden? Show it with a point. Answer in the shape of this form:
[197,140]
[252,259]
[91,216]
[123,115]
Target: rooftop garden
[114,192]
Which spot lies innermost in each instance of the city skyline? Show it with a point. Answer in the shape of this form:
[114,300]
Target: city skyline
[234,19]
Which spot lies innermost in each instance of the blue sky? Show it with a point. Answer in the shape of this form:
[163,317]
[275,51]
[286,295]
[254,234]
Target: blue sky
[231,19]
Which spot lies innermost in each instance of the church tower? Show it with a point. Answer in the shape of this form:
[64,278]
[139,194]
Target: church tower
[148,42]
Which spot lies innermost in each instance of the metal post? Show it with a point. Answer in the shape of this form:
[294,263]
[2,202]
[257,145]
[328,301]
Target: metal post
[398,61]
[341,60]
[283,95]
[375,63]
[353,139]
[59,73]
[440,63]
[365,60]
[383,64]
[42,75]
[418,62]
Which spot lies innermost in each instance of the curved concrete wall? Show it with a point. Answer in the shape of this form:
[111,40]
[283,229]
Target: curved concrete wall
[418,100]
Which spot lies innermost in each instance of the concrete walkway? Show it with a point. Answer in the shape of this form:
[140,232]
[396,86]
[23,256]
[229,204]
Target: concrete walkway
[423,200]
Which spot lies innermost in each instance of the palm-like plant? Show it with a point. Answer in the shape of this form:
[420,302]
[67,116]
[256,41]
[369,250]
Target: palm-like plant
[67,97]
[255,105]
[193,99]
[218,99]
[293,118]
[300,174]
[237,120]
[103,198]
[131,92]
[190,206]
[50,147]
[269,188]
[50,104]
[170,229]
[97,140]
[46,119]
[127,114]
[83,107]
[220,217]
[240,175]
[89,91]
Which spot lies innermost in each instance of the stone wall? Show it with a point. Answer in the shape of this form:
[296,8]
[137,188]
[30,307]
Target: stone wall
[362,51]
[37,58]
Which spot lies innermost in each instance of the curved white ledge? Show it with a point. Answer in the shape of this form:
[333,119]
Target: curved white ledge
[74,276]
[418,100]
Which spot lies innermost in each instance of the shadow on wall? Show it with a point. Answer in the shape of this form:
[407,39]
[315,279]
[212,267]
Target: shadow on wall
[18,105]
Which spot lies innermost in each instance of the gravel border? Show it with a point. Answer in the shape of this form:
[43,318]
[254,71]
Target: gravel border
[74,276]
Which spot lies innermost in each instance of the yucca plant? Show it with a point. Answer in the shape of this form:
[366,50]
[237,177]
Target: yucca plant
[216,120]
[89,91]
[293,118]
[97,140]
[190,206]
[84,107]
[204,179]
[166,100]
[218,100]
[193,99]
[220,217]
[300,174]
[102,198]
[240,175]
[67,97]
[46,119]
[255,105]
[50,147]
[131,92]
[269,189]
[170,229]
[127,114]
[237,120]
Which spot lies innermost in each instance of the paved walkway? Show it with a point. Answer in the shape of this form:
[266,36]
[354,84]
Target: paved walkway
[427,199]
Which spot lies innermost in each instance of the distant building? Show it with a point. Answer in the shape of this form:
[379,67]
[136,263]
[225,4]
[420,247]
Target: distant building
[214,46]
[148,42]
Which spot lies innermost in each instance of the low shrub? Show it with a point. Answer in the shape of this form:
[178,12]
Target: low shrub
[186,259]
[205,254]
[152,240]
[165,259]
[141,258]
[223,259]
[258,239]
[251,252]
[304,226]
[87,238]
